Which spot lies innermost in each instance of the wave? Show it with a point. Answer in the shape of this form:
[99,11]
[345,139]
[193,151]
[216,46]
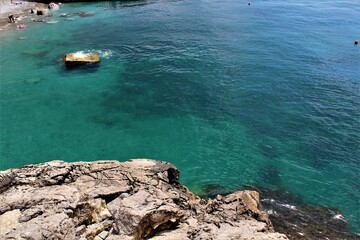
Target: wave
[103,53]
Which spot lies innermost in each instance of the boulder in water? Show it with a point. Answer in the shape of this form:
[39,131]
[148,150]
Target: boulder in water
[53,6]
[41,11]
[80,58]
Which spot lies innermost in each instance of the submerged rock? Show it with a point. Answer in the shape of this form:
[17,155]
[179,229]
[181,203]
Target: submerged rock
[301,221]
[34,80]
[85,14]
[138,199]
[212,190]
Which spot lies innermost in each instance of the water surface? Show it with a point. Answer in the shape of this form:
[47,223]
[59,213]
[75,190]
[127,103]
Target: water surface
[231,94]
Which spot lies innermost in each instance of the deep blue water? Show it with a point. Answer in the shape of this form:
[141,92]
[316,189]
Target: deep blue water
[231,94]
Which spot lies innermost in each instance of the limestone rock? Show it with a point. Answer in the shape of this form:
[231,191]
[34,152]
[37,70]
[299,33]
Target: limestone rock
[138,199]
[77,59]
[9,220]
[53,6]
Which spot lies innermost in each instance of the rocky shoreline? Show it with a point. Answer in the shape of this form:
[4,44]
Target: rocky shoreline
[290,215]
[22,13]
[138,199]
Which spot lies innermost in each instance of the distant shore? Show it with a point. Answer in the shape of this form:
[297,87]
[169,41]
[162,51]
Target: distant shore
[20,10]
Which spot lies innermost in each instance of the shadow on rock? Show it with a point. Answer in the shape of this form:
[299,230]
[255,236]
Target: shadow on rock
[212,190]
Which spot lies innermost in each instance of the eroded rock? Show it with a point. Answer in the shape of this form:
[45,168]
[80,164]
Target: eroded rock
[53,6]
[138,199]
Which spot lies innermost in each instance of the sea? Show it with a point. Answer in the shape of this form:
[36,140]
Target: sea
[233,93]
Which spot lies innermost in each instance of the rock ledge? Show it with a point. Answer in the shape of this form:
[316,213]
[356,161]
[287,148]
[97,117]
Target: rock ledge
[138,199]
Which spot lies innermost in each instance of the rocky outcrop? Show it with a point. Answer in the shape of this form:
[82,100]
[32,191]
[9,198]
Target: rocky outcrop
[138,199]
[53,6]
[78,59]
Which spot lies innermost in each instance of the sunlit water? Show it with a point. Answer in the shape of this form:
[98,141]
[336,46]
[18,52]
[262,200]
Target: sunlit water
[231,94]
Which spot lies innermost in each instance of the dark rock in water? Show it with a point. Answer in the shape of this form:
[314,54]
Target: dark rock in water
[34,80]
[85,14]
[269,151]
[297,220]
[212,190]
[269,174]
[106,120]
[68,15]
[41,12]
[38,54]
[80,14]
[319,152]
[39,20]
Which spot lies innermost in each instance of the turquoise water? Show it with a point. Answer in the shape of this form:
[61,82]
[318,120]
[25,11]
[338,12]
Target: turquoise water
[232,94]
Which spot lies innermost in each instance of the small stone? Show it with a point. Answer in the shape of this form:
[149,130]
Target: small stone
[103,234]
[207,229]
[124,195]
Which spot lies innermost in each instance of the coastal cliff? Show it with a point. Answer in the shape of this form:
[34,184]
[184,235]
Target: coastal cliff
[138,199]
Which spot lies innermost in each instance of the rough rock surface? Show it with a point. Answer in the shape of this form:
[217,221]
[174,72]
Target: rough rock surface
[138,199]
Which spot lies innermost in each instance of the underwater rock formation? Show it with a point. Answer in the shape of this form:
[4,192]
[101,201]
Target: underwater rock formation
[301,221]
[138,199]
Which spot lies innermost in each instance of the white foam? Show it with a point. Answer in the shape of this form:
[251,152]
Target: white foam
[270,200]
[339,217]
[52,22]
[105,53]
[80,54]
[272,212]
[288,206]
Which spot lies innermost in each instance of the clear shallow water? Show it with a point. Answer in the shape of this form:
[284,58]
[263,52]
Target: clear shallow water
[231,94]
